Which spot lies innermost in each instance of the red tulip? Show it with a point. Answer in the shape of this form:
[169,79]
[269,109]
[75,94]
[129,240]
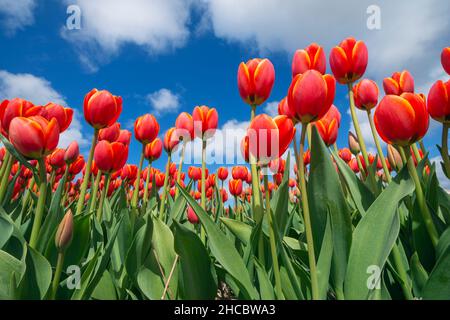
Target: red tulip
[124,137]
[235,187]
[239,172]
[348,61]
[195,173]
[312,57]
[353,164]
[255,80]
[146,128]
[222,173]
[439,101]
[366,94]
[192,216]
[34,137]
[129,172]
[110,133]
[159,179]
[110,157]
[56,158]
[223,195]
[311,95]
[445,59]
[101,108]
[61,114]
[212,179]
[398,83]
[205,121]
[185,126]
[292,183]
[284,110]
[345,154]
[153,150]
[401,120]
[328,125]
[76,166]
[171,140]
[16,108]
[269,138]
[307,157]
[72,152]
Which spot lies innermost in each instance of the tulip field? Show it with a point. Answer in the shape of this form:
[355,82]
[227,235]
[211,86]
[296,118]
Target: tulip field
[302,219]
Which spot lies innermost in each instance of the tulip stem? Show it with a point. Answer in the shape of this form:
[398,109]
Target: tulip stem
[203,198]
[164,191]
[4,163]
[356,124]
[307,220]
[40,204]
[57,275]
[426,215]
[273,246]
[135,199]
[87,174]
[403,156]
[180,168]
[147,181]
[380,151]
[95,192]
[308,135]
[444,150]
[4,179]
[103,196]
[404,283]
[361,167]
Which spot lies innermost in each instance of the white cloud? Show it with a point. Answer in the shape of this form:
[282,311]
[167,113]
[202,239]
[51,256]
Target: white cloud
[443,180]
[107,25]
[16,14]
[164,101]
[40,91]
[411,36]
[271,108]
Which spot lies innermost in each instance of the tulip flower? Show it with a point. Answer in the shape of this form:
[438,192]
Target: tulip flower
[348,60]
[61,114]
[152,152]
[16,108]
[328,126]
[345,154]
[255,81]
[222,173]
[124,137]
[399,83]
[110,133]
[239,172]
[284,110]
[366,94]
[312,57]
[445,59]
[184,125]
[439,110]
[192,216]
[394,157]
[56,158]
[71,153]
[403,120]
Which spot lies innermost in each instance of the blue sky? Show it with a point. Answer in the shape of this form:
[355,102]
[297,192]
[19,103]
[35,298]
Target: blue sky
[191,50]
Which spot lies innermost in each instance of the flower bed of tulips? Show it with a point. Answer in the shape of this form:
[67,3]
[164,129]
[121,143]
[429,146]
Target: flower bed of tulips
[347,224]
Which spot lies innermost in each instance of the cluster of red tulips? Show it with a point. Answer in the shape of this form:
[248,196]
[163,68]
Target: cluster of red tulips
[33,164]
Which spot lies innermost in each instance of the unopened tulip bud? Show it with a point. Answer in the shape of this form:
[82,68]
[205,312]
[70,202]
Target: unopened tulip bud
[353,143]
[394,158]
[63,236]
[72,153]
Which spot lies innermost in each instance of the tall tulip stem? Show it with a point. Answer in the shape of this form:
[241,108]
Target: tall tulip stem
[356,124]
[8,162]
[164,192]
[444,149]
[147,181]
[135,199]
[57,275]
[203,174]
[103,196]
[180,168]
[93,204]
[273,247]
[380,151]
[426,215]
[307,220]
[40,204]
[87,174]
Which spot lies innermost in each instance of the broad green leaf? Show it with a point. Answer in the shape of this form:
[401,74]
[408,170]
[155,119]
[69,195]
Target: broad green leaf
[197,279]
[9,266]
[6,230]
[265,286]
[280,199]
[438,284]
[418,274]
[374,237]
[105,289]
[324,261]
[240,229]
[223,250]
[37,277]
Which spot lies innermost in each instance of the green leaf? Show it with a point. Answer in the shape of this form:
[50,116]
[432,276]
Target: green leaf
[198,281]
[6,230]
[9,266]
[375,235]
[18,156]
[418,274]
[280,199]
[325,195]
[240,229]
[265,286]
[105,289]
[223,250]
[438,284]
[324,261]
[37,278]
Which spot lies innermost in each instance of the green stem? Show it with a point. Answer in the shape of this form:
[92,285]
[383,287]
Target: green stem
[356,124]
[4,163]
[57,275]
[87,174]
[147,181]
[164,191]
[361,167]
[203,174]
[95,192]
[103,196]
[40,204]
[180,168]
[380,151]
[5,177]
[307,220]
[403,155]
[426,215]
[308,135]
[444,150]
[135,199]
[273,247]
[401,272]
